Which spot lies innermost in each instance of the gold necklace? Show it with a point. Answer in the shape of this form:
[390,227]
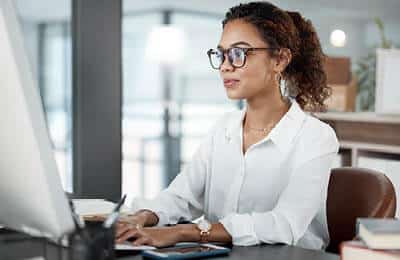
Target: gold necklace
[263,130]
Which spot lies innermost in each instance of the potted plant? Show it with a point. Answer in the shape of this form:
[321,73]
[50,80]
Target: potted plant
[366,72]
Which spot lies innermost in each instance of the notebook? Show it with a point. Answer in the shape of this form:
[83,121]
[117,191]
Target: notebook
[357,250]
[379,233]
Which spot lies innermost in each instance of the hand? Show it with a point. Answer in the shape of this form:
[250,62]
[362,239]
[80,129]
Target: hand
[152,236]
[143,217]
[126,223]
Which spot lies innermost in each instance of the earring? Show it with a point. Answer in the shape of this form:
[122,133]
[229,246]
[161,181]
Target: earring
[278,77]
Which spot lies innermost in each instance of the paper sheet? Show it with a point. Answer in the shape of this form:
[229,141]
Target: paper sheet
[90,207]
[129,246]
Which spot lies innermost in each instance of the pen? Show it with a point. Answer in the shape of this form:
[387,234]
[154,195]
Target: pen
[79,224]
[114,214]
[77,221]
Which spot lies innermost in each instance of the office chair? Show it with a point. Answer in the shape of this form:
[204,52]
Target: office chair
[356,192]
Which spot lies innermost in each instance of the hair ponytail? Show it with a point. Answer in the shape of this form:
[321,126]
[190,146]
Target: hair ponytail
[305,74]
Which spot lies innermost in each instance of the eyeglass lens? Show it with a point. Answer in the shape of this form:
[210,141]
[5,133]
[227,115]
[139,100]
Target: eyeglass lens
[236,57]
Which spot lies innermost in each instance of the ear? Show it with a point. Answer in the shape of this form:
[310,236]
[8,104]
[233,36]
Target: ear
[282,60]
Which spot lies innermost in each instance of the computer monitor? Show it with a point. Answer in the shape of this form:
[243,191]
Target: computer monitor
[32,199]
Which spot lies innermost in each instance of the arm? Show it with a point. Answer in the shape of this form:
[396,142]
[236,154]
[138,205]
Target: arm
[183,198]
[297,206]
[286,223]
[167,236]
[190,233]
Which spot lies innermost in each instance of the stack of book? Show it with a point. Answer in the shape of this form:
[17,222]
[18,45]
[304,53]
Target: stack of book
[379,240]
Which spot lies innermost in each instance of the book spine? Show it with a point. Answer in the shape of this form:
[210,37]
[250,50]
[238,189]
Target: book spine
[357,228]
[341,247]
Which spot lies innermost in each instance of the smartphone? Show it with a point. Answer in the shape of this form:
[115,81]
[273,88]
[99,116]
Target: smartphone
[185,251]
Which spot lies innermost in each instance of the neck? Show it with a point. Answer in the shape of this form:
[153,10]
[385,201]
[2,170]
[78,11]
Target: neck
[262,111]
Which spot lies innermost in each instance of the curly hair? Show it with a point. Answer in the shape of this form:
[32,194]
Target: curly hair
[304,76]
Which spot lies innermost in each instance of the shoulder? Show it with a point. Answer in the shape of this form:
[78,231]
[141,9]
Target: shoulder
[318,129]
[317,137]
[312,133]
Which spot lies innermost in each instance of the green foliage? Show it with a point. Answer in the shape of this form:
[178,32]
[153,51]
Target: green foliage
[366,72]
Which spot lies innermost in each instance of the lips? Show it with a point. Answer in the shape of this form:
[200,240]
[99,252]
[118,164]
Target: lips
[230,83]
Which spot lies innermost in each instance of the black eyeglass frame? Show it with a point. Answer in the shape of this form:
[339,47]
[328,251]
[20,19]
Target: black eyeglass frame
[226,51]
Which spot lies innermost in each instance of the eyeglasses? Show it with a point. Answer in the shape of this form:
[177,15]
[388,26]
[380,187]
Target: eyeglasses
[236,56]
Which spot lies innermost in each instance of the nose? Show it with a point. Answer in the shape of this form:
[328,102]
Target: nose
[226,65]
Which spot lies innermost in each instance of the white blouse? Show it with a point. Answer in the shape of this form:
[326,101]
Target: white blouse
[274,193]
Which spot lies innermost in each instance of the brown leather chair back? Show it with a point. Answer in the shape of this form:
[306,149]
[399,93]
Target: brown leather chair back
[352,193]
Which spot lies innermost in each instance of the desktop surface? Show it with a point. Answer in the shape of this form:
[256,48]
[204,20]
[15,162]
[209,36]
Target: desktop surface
[26,248]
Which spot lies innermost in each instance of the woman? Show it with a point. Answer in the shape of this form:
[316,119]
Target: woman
[261,175]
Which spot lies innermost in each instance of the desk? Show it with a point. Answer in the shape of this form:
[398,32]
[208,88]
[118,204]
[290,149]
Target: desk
[31,248]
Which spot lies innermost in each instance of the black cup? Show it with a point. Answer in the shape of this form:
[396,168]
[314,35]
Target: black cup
[94,242]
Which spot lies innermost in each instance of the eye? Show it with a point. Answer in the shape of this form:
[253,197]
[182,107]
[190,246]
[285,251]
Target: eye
[237,53]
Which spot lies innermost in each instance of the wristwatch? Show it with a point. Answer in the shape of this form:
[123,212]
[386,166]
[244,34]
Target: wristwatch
[205,227]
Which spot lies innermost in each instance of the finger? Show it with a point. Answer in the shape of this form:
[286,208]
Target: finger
[142,241]
[129,234]
[120,224]
[121,230]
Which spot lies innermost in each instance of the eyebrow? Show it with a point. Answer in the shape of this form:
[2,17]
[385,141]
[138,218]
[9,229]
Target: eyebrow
[236,44]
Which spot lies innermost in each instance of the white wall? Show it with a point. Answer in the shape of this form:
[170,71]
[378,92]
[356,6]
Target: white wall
[391,28]
[354,29]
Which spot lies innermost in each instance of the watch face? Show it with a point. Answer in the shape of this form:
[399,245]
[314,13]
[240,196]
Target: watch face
[204,225]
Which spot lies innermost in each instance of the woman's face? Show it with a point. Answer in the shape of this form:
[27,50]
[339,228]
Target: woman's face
[257,76]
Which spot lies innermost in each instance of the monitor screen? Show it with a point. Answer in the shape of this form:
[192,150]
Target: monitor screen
[31,195]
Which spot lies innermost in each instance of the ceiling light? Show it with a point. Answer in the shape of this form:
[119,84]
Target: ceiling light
[338,38]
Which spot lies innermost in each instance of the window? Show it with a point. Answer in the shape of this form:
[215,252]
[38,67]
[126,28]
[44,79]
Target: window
[142,122]
[48,43]
[168,108]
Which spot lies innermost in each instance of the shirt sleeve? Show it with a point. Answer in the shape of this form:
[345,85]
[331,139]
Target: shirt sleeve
[184,197]
[298,204]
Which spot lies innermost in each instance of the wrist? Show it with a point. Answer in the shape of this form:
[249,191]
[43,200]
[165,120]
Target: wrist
[188,232]
[204,227]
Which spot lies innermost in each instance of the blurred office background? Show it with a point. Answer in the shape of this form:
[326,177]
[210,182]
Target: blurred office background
[167,109]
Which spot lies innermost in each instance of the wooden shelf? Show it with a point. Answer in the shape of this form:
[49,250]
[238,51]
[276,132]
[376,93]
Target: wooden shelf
[379,148]
[351,151]
[365,134]
[368,117]
[368,136]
